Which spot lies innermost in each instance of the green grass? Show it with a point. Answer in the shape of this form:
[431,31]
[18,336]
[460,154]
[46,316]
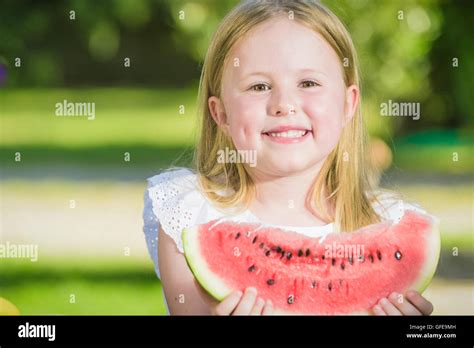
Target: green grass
[430,158]
[463,241]
[100,287]
[122,116]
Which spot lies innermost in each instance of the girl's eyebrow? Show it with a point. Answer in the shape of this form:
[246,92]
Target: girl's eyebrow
[304,70]
[255,73]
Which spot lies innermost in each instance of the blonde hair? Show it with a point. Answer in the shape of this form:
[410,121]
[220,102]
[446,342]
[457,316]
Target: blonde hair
[344,182]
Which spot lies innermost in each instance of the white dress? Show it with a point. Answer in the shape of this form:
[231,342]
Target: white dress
[173,200]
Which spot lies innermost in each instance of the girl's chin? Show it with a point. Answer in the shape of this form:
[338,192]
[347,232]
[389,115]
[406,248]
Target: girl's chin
[285,166]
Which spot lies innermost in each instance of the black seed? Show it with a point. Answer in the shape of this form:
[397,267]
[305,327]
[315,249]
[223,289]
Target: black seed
[379,255]
[371,258]
[323,257]
[251,268]
[361,258]
[254,240]
[307,252]
[267,253]
[237,236]
[289,255]
[330,286]
[300,253]
[278,249]
[333,262]
[261,245]
[271,281]
[398,255]
[291,299]
[343,266]
[351,260]
[313,284]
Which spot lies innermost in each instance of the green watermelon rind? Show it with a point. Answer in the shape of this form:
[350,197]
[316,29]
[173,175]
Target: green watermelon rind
[433,254]
[206,278]
[215,286]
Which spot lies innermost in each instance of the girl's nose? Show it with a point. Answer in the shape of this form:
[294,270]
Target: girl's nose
[283,109]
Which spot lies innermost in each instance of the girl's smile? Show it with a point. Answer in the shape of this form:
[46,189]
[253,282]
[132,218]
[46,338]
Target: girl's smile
[287,134]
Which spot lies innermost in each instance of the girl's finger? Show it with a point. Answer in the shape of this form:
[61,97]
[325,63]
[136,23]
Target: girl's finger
[421,303]
[389,308]
[377,310]
[268,309]
[403,304]
[228,304]
[257,308]
[246,302]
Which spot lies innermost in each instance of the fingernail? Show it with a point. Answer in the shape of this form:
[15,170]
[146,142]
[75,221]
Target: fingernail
[239,293]
[383,301]
[260,301]
[394,295]
[377,308]
[251,289]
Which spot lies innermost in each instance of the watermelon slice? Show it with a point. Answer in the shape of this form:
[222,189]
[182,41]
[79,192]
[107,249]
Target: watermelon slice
[345,274]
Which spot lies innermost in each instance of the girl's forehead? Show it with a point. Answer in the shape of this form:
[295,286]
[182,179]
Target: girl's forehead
[282,42]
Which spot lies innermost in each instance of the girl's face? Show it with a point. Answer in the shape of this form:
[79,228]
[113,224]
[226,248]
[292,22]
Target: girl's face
[283,95]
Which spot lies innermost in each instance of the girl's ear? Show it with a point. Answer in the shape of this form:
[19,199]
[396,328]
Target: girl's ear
[216,107]
[352,100]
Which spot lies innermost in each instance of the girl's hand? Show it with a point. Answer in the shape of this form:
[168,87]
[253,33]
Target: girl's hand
[238,303]
[410,304]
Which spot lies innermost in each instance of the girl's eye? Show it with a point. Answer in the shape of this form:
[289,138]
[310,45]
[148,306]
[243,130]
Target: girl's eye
[259,87]
[309,83]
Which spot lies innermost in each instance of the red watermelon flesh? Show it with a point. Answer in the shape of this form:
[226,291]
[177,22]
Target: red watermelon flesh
[345,274]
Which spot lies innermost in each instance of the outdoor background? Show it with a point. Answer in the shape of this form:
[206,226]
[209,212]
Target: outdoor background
[93,251]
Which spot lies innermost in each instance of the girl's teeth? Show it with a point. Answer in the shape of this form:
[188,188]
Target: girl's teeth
[289,134]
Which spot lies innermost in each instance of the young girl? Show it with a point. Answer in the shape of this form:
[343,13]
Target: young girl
[280,81]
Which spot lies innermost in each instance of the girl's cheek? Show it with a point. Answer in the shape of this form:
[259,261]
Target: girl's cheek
[246,122]
[326,120]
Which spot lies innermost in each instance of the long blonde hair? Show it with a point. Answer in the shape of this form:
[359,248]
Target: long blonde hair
[344,182]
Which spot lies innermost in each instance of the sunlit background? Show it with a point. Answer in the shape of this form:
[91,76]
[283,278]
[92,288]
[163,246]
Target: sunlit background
[66,183]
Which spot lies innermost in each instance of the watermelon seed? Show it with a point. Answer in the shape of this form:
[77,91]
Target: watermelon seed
[289,255]
[379,255]
[282,254]
[237,236]
[333,262]
[330,286]
[271,281]
[251,268]
[300,253]
[261,245]
[351,260]
[371,258]
[307,252]
[323,256]
[398,255]
[343,266]
[278,249]
[254,240]
[313,284]
[361,258]
[291,299]
[267,253]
